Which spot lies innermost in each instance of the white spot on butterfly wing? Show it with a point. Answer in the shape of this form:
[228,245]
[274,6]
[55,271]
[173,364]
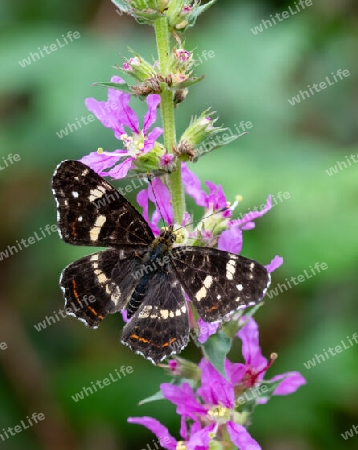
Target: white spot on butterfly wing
[96,193]
[96,229]
[201,294]
[230,269]
[208,281]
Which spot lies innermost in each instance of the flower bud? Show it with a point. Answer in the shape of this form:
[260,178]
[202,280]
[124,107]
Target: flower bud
[200,129]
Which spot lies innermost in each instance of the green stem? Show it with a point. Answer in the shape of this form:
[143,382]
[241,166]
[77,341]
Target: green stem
[167,109]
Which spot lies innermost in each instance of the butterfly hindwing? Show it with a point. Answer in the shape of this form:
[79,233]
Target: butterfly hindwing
[98,284]
[92,212]
[160,327]
[219,282]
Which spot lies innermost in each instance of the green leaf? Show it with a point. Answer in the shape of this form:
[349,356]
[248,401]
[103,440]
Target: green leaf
[119,86]
[122,5]
[153,398]
[233,326]
[216,348]
[196,13]
[201,150]
[187,83]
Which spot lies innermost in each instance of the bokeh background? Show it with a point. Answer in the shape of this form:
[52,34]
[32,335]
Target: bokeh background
[289,148]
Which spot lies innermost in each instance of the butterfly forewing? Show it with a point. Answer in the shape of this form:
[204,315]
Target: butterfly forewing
[219,282]
[92,212]
[160,327]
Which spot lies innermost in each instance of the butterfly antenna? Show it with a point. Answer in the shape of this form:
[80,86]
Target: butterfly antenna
[150,177]
[226,208]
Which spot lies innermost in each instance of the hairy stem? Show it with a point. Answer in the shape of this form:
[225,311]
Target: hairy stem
[167,109]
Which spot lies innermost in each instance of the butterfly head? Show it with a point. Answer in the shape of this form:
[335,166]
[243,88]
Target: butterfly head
[168,236]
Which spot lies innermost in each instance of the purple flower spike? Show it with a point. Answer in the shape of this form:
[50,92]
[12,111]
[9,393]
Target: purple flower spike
[119,116]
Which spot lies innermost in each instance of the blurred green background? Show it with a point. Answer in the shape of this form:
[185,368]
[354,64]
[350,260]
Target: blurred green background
[289,149]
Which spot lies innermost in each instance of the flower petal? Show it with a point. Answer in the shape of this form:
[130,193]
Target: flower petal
[274,264]
[192,185]
[166,440]
[251,350]
[240,437]
[216,197]
[214,389]
[184,398]
[231,240]
[149,141]
[124,313]
[207,329]
[246,223]
[121,170]
[153,101]
[291,381]
[105,115]
[161,199]
[99,162]
[142,200]
[235,372]
[125,113]
[201,439]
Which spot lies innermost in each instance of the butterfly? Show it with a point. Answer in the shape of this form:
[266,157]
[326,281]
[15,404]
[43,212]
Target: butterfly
[144,275]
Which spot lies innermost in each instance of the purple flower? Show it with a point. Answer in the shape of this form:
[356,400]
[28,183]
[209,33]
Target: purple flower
[256,364]
[117,115]
[216,393]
